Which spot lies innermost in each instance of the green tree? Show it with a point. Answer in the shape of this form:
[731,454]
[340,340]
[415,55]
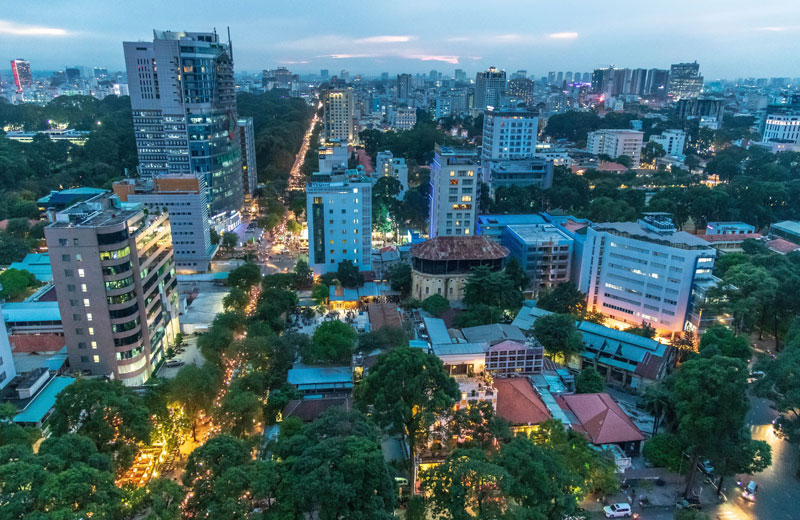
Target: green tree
[16,283]
[408,390]
[400,278]
[781,385]
[719,340]
[206,465]
[349,275]
[645,330]
[517,275]
[652,151]
[214,236]
[493,288]
[589,381]
[664,451]
[245,277]
[565,298]
[657,401]
[236,300]
[333,342]
[229,240]
[320,293]
[194,388]
[435,304]
[558,334]
[605,209]
[304,275]
[476,315]
[293,227]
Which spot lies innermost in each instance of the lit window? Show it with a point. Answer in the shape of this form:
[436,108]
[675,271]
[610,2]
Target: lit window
[81,273]
[88,316]
[96,359]
[91,331]
[86,302]
[94,344]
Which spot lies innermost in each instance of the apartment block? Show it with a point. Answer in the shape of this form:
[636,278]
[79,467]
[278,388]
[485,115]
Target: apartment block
[339,209]
[543,251]
[114,273]
[454,191]
[672,141]
[337,121]
[643,271]
[508,134]
[184,198]
[520,173]
[490,86]
[387,165]
[615,143]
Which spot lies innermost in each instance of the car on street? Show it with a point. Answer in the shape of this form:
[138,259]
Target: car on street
[689,503]
[621,510]
[174,363]
[749,491]
[706,467]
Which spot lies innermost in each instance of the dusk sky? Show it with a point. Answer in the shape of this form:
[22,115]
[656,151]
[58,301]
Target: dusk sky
[730,38]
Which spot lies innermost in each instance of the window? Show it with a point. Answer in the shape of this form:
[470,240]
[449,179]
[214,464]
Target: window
[62,242]
[81,345]
[65,258]
[88,316]
[96,359]
[70,288]
[84,359]
[79,332]
[81,273]
[69,273]
[86,302]
[83,288]
[91,331]
[94,344]
[78,257]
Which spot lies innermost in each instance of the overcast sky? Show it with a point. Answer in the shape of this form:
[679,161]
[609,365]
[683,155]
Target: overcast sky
[730,38]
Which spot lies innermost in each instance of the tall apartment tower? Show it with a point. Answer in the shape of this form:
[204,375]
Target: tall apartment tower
[184,111]
[454,191]
[337,121]
[489,88]
[339,209]
[21,70]
[685,81]
[404,87]
[508,134]
[184,197]
[114,274]
[249,169]
[643,271]
[656,83]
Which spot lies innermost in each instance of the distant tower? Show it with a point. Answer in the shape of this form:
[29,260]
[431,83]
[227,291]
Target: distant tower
[21,69]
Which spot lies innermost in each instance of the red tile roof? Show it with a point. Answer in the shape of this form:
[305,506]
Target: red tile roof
[730,237]
[601,418]
[383,315]
[782,246]
[459,248]
[36,342]
[309,409]
[518,403]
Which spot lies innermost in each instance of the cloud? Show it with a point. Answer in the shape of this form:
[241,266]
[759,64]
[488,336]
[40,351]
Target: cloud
[458,39]
[18,29]
[384,39]
[349,56]
[432,57]
[778,28]
[563,35]
[294,62]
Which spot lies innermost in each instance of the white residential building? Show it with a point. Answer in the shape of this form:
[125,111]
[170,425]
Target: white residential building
[559,156]
[508,134]
[615,143]
[332,157]
[387,165]
[643,271]
[672,141]
[339,209]
[454,186]
[404,118]
[337,121]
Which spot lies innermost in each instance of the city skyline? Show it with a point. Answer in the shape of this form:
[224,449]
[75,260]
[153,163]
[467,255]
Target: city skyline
[729,39]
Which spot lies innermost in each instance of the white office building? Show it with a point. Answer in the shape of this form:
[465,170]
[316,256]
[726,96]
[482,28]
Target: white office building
[339,209]
[643,271]
[490,86]
[783,126]
[404,118]
[615,143]
[387,165]
[337,121]
[454,191]
[672,141]
[508,134]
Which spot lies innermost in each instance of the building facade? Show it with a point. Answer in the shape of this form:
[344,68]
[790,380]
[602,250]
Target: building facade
[114,273]
[490,86]
[339,209]
[454,191]
[635,272]
[615,143]
[442,264]
[782,126]
[7,370]
[249,168]
[685,81]
[21,71]
[672,141]
[337,121]
[184,112]
[508,134]
[520,173]
[544,252]
[184,198]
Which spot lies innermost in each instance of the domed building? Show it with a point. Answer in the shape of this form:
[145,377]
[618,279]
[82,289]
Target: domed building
[442,264]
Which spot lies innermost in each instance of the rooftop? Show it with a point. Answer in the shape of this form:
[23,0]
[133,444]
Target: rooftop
[309,409]
[781,246]
[788,226]
[600,418]
[505,220]
[538,233]
[43,402]
[15,312]
[305,375]
[104,209]
[493,333]
[383,315]
[459,248]
[38,264]
[460,349]
[437,331]
[637,231]
[518,402]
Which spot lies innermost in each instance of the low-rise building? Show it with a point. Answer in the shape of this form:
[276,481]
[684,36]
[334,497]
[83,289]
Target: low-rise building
[615,143]
[672,141]
[493,226]
[442,265]
[787,229]
[602,421]
[520,174]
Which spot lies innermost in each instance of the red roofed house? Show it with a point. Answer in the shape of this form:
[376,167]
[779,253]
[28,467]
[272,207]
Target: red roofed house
[519,404]
[601,419]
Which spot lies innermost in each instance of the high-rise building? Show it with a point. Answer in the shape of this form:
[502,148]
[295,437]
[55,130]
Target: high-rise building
[559,79]
[544,252]
[700,107]
[685,81]
[489,88]
[643,271]
[637,83]
[339,209]
[587,77]
[521,89]
[508,134]
[249,168]
[615,143]
[73,74]
[454,191]
[656,83]
[184,111]
[100,72]
[114,274]
[184,197]
[551,78]
[21,70]
[337,121]
[568,77]
[323,73]
[404,87]
[460,76]
[7,369]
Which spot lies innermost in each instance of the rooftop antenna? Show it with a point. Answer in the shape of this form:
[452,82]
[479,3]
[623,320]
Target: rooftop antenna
[230,45]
